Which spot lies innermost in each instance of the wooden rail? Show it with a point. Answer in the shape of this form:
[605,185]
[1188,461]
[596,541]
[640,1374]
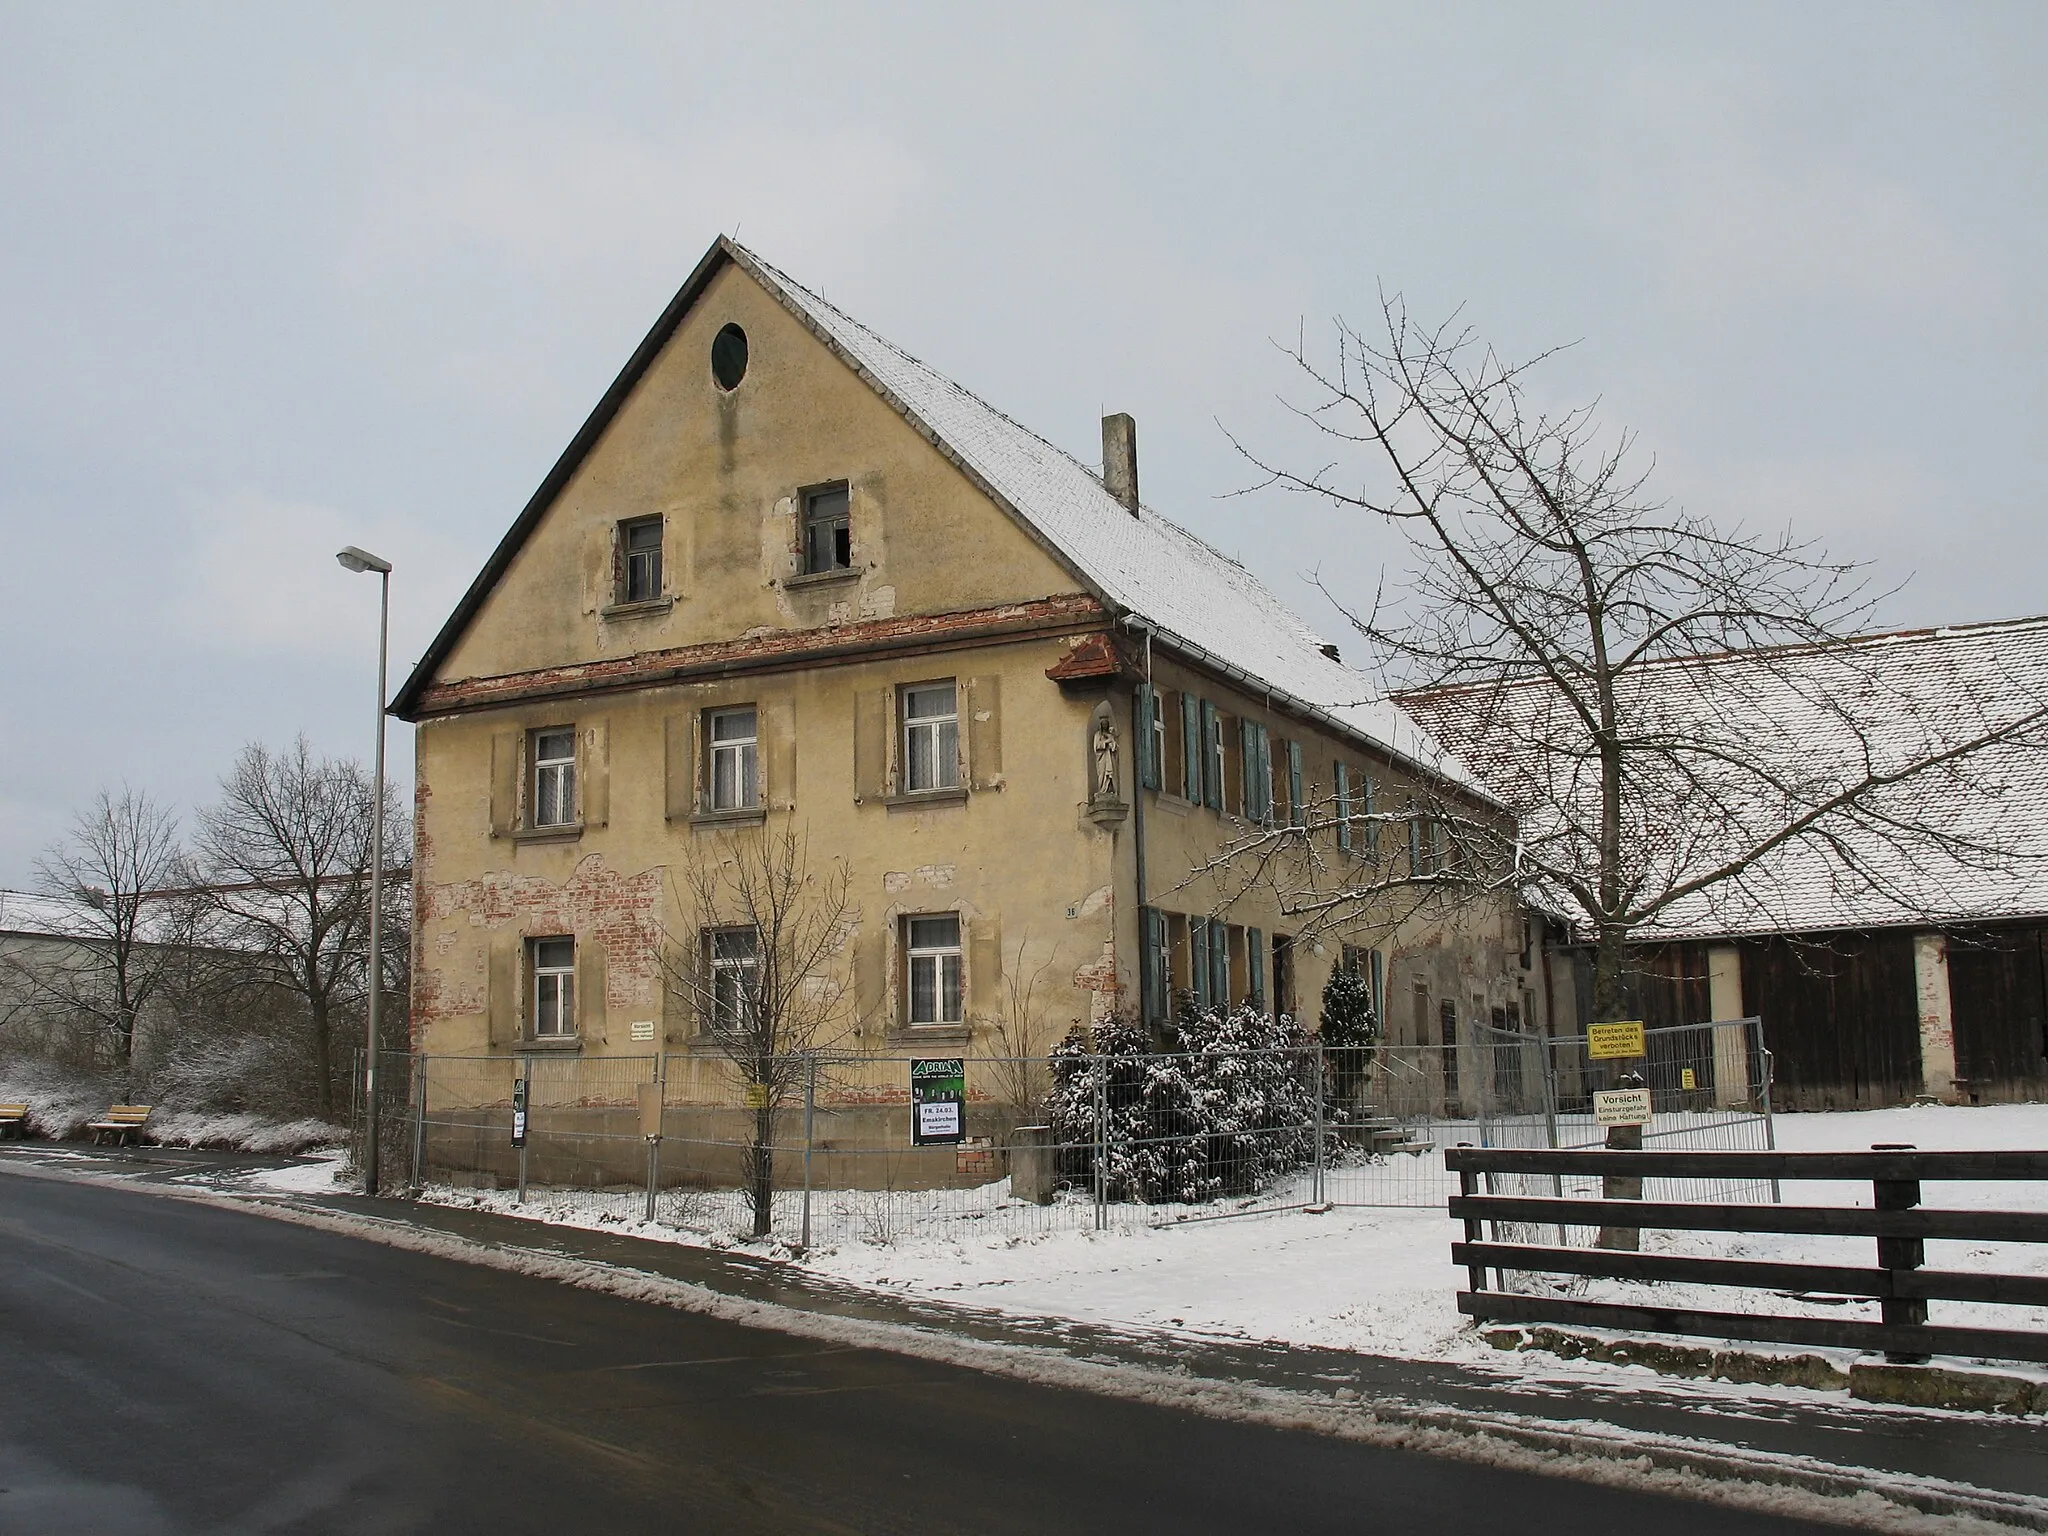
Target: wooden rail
[1899,1283]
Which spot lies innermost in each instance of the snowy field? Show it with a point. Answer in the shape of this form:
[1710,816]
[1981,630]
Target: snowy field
[1377,1281]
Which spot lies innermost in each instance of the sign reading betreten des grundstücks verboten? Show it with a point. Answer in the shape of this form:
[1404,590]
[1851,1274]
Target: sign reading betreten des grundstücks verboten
[938,1101]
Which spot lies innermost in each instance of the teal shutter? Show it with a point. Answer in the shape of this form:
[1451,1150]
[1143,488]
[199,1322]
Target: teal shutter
[1219,963]
[1198,961]
[1372,828]
[1255,966]
[1148,736]
[1343,807]
[1297,813]
[1379,991]
[1153,973]
[1212,757]
[1190,749]
[1247,740]
[1264,804]
[1414,844]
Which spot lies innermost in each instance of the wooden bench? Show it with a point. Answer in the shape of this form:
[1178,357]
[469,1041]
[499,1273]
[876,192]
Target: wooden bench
[121,1124]
[13,1120]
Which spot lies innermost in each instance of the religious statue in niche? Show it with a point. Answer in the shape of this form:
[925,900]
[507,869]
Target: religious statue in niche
[1105,757]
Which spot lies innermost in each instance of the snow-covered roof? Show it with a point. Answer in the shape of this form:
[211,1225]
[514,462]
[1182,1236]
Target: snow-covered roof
[33,913]
[1789,728]
[1192,597]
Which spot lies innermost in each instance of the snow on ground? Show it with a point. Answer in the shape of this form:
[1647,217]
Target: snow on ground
[327,1172]
[1374,1280]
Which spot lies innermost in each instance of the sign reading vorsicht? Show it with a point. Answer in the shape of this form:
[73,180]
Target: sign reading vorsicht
[1615,1042]
[1622,1106]
[938,1101]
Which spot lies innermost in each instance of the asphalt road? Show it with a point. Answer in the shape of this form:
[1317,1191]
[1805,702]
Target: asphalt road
[170,1367]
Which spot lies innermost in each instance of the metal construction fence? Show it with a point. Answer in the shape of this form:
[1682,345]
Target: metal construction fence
[818,1148]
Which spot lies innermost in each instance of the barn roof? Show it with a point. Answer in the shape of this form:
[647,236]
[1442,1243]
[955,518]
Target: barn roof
[1794,725]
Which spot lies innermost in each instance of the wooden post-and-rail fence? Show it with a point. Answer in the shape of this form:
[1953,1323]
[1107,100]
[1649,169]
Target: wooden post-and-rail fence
[1898,1282]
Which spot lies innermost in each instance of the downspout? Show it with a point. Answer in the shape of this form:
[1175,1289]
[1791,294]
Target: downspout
[1140,746]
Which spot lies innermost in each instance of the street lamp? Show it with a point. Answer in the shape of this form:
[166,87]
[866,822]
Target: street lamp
[360,560]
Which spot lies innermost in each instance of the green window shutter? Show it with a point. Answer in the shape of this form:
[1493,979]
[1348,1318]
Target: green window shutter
[1297,813]
[1198,961]
[1343,807]
[1372,828]
[1248,780]
[1212,758]
[1151,975]
[1414,844]
[1379,991]
[1255,966]
[1191,749]
[1219,963]
[1148,743]
[1265,777]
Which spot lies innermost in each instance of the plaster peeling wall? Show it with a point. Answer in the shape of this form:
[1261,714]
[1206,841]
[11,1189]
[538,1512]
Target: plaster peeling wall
[621,912]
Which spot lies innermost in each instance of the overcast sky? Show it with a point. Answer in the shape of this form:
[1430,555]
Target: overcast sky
[275,278]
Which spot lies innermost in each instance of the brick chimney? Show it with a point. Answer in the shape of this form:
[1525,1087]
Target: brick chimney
[1120,460]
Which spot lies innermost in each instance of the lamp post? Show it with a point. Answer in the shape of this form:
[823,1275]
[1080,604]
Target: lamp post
[360,560]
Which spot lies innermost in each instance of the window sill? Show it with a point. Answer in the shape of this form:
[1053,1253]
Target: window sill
[929,1034]
[568,832]
[752,816]
[645,608]
[825,578]
[1172,804]
[956,795]
[551,1043]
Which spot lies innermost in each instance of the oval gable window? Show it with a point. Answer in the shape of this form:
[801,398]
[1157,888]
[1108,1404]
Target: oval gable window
[729,357]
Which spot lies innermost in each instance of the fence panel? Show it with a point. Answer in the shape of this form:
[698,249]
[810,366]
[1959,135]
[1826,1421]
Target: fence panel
[818,1148]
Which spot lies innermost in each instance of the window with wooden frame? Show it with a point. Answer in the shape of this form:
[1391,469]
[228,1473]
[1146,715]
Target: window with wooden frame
[551,798]
[552,962]
[732,777]
[931,950]
[639,567]
[733,963]
[827,530]
[931,737]
[1341,772]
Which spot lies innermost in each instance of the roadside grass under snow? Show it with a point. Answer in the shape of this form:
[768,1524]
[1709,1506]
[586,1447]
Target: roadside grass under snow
[1378,1281]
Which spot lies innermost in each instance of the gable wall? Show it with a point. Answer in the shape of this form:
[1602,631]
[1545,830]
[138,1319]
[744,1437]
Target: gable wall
[724,470]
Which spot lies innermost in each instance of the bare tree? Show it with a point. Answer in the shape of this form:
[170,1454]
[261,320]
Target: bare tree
[761,967]
[1569,636]
[1024,1035]
[283,858]
[117,874]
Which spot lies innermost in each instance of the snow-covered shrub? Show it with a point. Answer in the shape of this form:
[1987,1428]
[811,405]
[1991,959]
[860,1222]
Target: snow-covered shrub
[1227,1106]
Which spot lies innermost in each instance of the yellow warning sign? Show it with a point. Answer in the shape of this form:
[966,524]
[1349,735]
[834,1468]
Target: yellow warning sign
[757,1096]
[1686,1079]
[1615,1042]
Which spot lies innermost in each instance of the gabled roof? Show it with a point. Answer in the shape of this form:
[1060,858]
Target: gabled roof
[1810,719]
[1194,599]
